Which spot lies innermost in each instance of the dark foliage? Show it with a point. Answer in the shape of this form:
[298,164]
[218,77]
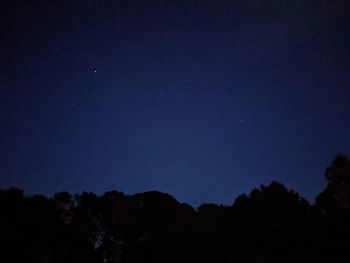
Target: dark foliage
[271,224]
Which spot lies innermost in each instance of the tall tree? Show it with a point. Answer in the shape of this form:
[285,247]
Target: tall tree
[336,196]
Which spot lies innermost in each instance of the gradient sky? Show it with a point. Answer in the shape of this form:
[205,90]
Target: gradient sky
[204,100]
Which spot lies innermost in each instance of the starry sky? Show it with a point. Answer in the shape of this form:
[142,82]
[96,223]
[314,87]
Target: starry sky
[204,100]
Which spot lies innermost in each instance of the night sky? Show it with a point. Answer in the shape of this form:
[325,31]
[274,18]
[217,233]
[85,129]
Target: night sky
[204,100]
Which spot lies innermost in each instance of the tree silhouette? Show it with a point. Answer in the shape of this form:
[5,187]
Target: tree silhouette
[337,193]
[270,224]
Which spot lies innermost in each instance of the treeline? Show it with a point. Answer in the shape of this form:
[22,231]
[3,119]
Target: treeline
[271,224]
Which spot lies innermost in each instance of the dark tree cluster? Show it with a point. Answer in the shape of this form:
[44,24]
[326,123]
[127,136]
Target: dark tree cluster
[271,224]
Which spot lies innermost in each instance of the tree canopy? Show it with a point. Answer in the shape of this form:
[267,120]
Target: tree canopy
[270,224]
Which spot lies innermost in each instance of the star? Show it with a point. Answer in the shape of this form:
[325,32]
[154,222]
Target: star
[95,71]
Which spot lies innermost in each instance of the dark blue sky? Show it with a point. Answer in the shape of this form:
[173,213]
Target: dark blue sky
[201,99]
